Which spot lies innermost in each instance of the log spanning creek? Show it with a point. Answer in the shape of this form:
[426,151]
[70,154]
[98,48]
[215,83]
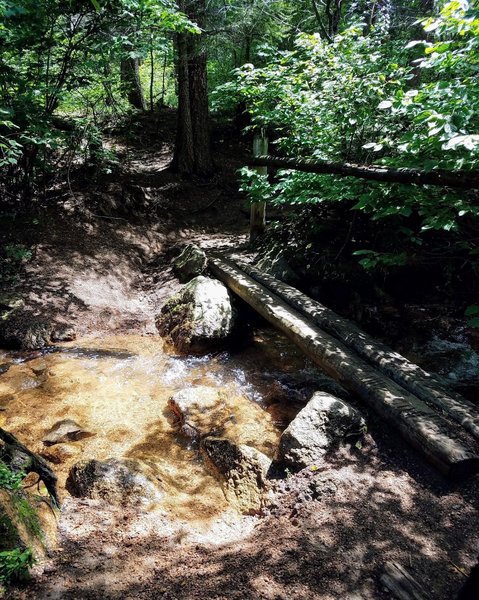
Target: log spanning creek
[118,391]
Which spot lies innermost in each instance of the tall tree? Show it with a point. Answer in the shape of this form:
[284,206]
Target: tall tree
[192,150]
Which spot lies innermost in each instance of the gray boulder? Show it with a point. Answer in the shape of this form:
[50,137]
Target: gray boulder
[190,263]
[275,263]
[199,317]
[117,481]
[242,471]
[320,427]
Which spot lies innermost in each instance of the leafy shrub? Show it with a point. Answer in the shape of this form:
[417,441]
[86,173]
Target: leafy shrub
[8,479]
[15,565]
[367,98]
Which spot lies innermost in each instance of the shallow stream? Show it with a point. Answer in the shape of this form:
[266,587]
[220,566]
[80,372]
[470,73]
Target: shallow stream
[118,388]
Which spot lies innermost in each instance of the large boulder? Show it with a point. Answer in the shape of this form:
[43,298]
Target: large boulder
[117,481]
[190,263]
[320,427]
[199,317]
[242,471]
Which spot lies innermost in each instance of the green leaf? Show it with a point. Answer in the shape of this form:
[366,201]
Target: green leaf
[474,323]
[472,310]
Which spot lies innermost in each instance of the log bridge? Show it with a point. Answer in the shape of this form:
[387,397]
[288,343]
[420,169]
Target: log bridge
[440,424]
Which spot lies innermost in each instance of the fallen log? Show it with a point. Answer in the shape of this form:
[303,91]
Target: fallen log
[467,180]
[425,386]
[401,584]
[417,423]
[22,460]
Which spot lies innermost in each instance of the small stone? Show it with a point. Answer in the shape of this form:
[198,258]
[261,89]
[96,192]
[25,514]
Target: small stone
[66,430]
[39,368]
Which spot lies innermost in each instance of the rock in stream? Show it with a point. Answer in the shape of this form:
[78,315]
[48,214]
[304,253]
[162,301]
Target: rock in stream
[199,318]
[242,471]
[117,481]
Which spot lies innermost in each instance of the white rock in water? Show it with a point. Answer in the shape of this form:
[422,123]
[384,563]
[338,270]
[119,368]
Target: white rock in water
[199,317]
[320,427]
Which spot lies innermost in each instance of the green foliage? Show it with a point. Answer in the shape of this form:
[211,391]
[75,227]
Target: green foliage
[472,312]
[15,565]
[373,260]
[17,252]
[8,479]
[255,185]
[370,98]
[61,60]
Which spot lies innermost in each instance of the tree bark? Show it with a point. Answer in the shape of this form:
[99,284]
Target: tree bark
[192,149]
[423,428]
[467,180]
[130,82]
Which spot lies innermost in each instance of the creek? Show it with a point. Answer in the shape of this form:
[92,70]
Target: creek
[117,389]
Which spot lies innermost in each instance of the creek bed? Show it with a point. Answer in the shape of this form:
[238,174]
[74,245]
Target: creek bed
[118,388]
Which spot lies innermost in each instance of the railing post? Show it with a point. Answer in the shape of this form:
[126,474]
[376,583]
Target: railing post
[258,209]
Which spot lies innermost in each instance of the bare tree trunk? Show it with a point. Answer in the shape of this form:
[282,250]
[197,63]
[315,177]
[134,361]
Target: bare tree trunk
[192,149]
[131,84]
[184,157]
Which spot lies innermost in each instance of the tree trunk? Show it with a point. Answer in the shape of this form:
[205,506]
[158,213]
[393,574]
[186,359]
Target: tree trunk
[130,82]
[192,148]
[184,158]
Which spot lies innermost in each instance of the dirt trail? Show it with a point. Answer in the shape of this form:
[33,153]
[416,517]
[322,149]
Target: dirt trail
[326,533]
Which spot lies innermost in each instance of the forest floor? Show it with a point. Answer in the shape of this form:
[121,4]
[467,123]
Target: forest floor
[101,250]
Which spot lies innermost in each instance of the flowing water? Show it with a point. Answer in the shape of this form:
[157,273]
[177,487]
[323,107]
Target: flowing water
[118,388]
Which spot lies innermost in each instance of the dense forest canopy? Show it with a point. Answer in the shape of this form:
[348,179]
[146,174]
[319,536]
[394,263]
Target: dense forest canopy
[387,82]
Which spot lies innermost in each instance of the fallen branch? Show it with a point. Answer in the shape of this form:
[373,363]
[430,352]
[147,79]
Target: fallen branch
[20,459]
[468,180]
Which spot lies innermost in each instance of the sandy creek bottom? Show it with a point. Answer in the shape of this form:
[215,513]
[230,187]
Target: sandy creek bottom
[117,388]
